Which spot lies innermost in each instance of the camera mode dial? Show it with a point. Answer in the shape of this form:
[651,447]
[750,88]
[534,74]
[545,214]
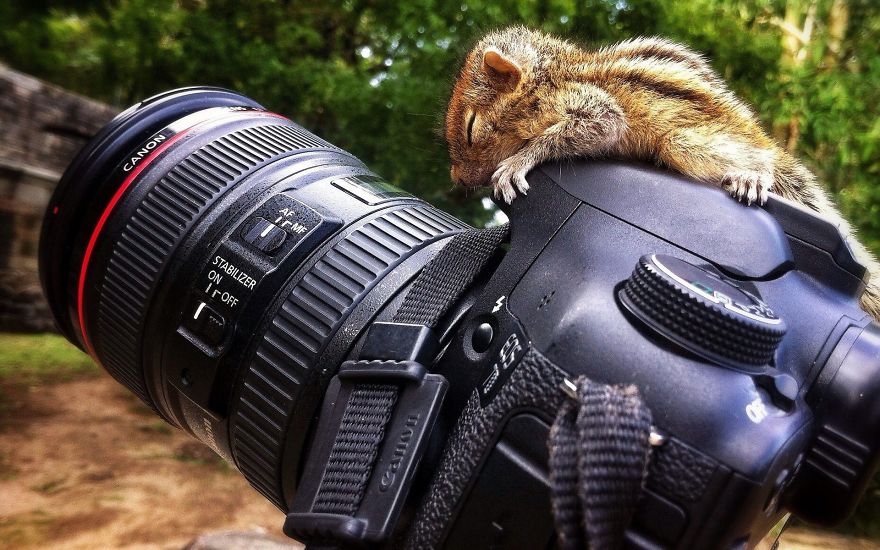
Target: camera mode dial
[702,312]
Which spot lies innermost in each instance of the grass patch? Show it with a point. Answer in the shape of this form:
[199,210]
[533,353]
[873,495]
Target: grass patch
[49,487]
[139,408]
[25,530]
[35,359]
[7,468]
[158,427]
[865,522]
[194,452]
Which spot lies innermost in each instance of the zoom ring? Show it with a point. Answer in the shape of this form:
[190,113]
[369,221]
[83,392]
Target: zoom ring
[157,227]
[306,322]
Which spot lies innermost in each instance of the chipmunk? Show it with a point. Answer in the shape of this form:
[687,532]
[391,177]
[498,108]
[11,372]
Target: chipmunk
[524,97]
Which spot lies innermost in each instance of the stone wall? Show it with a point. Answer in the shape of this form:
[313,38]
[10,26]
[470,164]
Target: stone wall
[41,129]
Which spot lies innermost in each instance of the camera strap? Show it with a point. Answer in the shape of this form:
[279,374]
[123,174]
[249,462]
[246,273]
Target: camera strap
[599,452]
[449,274]
[379,410]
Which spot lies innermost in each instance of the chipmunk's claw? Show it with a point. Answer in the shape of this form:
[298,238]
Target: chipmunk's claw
[748,186]
[504,191]
[510,177]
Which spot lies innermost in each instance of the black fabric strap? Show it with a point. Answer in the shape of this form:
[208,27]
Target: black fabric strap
[599,443]
[355,448]
[599,453]
[449,274]
[370,406]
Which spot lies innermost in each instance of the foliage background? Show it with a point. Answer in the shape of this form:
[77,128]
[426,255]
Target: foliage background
[373,76]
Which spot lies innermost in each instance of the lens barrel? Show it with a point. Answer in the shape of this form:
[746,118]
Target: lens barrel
[221,262]
[90,182]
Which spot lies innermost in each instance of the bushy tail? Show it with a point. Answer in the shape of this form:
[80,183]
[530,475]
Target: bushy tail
[795,183]
[871,299]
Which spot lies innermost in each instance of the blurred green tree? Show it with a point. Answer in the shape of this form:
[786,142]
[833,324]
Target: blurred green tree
[373,75]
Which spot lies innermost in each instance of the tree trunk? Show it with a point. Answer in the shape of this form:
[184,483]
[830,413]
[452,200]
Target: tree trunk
[797,32]
[791,26]
[838,21]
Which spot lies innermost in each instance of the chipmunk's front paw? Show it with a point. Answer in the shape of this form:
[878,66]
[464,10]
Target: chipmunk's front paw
[748,186]
[510,177]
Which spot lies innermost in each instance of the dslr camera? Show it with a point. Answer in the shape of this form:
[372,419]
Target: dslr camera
[389,377]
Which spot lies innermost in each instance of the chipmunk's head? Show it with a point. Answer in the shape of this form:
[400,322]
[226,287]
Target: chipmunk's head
[484,121]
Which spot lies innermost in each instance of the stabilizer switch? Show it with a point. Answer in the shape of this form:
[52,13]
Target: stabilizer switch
[205,322]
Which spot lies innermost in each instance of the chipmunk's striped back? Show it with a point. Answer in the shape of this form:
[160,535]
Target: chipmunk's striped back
[524,97]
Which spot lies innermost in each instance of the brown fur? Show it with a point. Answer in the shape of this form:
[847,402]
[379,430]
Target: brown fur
[529,97]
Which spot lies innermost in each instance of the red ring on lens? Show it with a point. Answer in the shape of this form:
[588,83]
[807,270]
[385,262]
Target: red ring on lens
[109,210]
[100,225]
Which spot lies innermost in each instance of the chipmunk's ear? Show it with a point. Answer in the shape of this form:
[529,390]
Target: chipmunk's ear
[504,73]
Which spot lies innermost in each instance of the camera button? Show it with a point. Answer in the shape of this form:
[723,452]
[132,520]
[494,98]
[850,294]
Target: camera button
[783,388]
[482,338]
[264,235]
[205,322]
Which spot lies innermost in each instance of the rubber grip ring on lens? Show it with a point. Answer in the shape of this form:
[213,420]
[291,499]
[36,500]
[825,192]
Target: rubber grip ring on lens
[306,322]
[160,223]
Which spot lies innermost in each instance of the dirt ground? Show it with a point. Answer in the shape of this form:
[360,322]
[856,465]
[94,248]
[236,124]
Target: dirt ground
[84,465]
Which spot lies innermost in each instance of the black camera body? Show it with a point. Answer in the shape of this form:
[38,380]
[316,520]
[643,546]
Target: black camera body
[224,264]
[743,436]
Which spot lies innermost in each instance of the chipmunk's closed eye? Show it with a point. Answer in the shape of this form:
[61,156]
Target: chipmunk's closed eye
[470,128]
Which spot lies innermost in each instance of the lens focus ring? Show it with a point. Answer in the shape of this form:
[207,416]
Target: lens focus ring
[157,227]
[307,320]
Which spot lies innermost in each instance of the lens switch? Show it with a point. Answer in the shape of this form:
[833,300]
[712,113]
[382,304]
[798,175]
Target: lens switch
[205,322]
[263,235]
